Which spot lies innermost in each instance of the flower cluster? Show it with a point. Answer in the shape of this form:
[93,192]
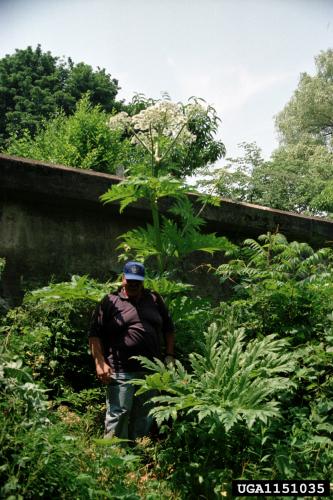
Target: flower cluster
[120,121]
[164,119]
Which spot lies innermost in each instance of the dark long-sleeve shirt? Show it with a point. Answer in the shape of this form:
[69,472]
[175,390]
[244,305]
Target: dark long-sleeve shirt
[128,328]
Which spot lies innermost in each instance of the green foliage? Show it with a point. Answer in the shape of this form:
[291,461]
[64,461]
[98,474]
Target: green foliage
[50,332]
[175,244]
[229,383]
[281,287]
[282,300]
[308,114]
[297,178]
[307,450]
[299,175]
[218,406]
[197,118]
[323,202]
[166,239]
[82,140]
[252,401]
[43,459]
[166,287]
[34,84]
[235,179]
[138,187]
[206,149]
[191,316]
[79,288]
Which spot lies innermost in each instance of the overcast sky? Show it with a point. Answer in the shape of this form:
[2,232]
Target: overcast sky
[244,57]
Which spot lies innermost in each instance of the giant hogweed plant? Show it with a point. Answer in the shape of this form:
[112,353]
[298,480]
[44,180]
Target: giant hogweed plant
[177,238]
[230,383]
[281,287]
[159,129]
[273,257]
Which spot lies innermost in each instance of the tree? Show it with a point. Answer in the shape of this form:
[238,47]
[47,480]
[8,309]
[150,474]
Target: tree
[299,175]
[234,180]
[308,116]
[296,178]
[34,84]
[81,140]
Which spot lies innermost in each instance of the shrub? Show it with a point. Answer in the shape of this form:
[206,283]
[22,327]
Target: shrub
[231,390]
[280,287]
[50,332]
[44,456]
[82,140]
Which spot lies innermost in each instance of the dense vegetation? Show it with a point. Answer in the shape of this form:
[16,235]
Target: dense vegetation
[250,395]
[250,398]
[34,85]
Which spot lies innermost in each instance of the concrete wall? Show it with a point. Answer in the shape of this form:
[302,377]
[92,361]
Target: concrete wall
[52,224]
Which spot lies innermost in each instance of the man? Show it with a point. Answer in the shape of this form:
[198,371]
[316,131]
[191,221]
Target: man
[130,322]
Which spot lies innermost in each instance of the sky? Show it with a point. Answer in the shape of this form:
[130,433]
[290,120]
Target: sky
[244,57]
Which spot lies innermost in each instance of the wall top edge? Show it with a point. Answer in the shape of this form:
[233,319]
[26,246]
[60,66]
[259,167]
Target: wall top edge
[86,177]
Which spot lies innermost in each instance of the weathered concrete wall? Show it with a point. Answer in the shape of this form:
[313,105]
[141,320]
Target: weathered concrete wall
[53,224]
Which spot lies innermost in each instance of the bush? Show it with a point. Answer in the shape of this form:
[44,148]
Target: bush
[50,332]
[280,287]
[82,140]
[46,455]
[231,390]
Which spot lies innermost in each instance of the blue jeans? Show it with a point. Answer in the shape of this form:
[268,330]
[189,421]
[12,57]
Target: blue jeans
[126,414]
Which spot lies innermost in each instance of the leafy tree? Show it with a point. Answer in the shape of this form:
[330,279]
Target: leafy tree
[234,180]
[299,175]
[81,140]
[296,178]
[308,116]
[34,84]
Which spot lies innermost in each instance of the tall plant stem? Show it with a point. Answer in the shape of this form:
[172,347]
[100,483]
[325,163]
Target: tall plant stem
[157,231]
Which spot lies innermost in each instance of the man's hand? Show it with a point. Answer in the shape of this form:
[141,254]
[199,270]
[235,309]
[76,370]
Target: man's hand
[103,371]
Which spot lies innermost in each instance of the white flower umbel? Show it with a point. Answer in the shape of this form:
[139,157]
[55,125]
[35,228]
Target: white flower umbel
[163,119]
[120,121]
[159,127]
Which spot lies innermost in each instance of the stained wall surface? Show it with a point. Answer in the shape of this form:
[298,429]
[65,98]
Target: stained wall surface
[52,225]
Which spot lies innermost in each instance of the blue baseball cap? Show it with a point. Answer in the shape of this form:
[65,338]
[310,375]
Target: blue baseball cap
[134,271]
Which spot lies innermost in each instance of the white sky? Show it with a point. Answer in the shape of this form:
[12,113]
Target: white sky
[242,56]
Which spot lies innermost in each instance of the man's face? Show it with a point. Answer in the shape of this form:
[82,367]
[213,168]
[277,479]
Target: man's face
[133,287]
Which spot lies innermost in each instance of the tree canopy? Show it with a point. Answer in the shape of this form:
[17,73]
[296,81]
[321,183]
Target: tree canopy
[93,138]
[299,175]
[308,116]
[82,140]
[35,84]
